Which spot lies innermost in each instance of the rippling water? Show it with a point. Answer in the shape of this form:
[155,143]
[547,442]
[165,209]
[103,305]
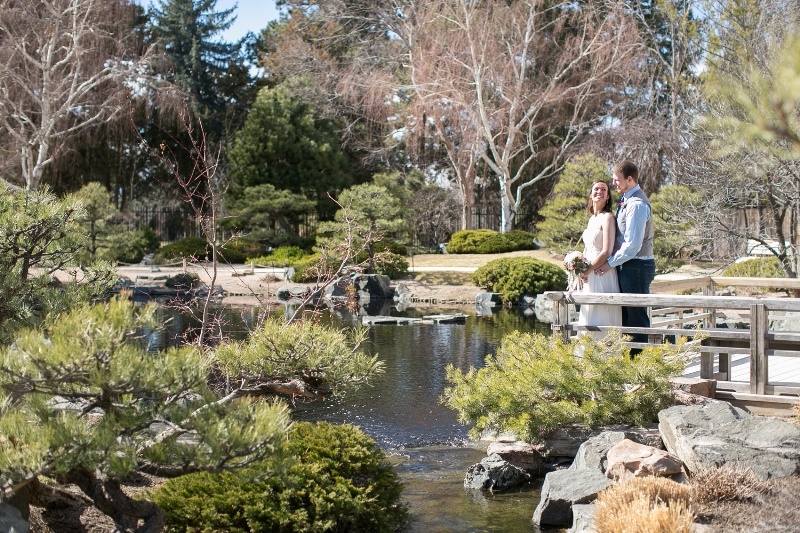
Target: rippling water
[429,449]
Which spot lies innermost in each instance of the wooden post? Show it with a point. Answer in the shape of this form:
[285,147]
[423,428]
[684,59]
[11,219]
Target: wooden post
[707,361]
[561,319]
[563,312]
[758,349]
[709,322]
[184,265]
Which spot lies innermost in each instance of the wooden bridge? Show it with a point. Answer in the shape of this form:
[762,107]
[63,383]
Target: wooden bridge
[756,363]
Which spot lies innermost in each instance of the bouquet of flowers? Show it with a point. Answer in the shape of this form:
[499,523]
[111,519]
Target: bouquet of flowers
[576,265]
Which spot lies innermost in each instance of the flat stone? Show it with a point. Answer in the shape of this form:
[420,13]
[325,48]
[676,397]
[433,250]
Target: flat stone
[631,459]
[520,454]
[564,488]
[698,386]
[713,435]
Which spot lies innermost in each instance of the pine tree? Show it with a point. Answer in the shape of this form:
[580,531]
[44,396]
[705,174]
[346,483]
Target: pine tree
[203,64]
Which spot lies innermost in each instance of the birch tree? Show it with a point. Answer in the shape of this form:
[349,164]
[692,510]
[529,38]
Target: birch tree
[65,66]
[528,80]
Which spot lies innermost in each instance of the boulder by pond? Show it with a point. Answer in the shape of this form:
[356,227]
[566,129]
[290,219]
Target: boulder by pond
[496,474]
[720,434]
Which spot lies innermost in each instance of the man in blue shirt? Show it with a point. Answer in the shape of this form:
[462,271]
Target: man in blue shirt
[633,248]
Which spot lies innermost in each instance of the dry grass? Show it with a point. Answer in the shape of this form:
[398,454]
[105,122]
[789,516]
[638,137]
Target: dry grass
[478,260]
[444,278]
[644,505]
[726,483]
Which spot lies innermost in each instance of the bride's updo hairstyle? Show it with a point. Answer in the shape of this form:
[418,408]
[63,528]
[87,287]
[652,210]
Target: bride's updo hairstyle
[607,207]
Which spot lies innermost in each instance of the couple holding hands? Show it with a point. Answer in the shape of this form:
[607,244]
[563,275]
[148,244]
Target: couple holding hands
[619,250]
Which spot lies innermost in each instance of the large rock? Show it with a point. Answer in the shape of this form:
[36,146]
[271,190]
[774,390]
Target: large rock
[718,434]
[631,459]
[520,454]
[488,299]
[365,287]
[582,518]
[564,488]
[593,452]
[11,520]
[496,474]
[566,441]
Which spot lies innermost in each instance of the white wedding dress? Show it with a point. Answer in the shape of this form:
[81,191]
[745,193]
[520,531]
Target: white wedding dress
[598,315]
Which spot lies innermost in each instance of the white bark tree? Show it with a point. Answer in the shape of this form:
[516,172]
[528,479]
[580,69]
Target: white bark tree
[527,79]
[65,66]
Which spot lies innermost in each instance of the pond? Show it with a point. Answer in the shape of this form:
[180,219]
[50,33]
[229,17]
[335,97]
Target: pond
[427,445]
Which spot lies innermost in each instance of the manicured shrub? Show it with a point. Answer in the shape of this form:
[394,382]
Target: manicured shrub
[514,276]
[310,269]
[644,505]
[468,241]
[756,267]
[390,264]
[535,384]
[506,242]
[486,241]
[130,246]
[282,256]
[192,248]
[240,250]
[183,282]
[337,479]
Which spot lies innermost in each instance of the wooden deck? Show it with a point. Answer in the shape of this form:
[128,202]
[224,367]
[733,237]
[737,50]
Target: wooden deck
[750,346]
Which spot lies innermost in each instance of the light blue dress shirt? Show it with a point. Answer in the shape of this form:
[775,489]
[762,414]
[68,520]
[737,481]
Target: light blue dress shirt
[636,217]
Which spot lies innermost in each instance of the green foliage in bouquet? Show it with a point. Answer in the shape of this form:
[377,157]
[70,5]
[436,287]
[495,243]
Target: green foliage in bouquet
[537,383]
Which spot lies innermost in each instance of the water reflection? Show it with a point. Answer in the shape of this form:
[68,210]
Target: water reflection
[401,409]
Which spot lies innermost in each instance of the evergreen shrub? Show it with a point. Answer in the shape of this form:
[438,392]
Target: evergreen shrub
[507,242]
[183,282]
[282,256]
[390,264]
[240,250]
[487,241]
[310,269]
[468,241]
[130,246]
[337,479]
[756,267]
[192,248]
[535,384]
[514,276]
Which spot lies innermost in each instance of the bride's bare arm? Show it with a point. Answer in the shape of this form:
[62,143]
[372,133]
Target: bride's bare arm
[609,228]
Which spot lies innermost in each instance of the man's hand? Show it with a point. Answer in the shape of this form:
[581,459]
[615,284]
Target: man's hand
[602,269]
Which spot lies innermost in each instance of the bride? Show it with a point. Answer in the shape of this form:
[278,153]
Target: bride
[598,241]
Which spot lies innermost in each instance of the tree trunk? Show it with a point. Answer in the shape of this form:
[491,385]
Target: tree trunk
[508,209]
[109,498]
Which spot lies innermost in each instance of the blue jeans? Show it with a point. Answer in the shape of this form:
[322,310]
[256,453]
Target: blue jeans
[635,276]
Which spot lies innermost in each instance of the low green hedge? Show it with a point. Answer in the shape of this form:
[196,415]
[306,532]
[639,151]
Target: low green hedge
[756,267]
[241,250]
[282,256]
[514,276]
[192,248]
[486,241]
[336,479]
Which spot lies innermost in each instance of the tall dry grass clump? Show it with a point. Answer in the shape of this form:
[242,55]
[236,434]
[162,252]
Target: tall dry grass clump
[644,505]
[726,483]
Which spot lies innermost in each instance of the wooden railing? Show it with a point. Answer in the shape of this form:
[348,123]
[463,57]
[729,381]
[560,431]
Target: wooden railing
[701,316]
